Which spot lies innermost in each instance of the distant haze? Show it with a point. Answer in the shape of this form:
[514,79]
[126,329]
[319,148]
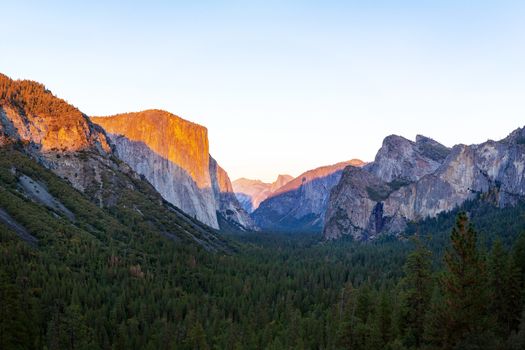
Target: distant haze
[283,86]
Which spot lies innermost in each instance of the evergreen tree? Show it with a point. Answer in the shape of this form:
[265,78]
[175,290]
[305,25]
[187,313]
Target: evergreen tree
[516,340]
[417,294]
[14,325]
[347,330]
[197,337]
[465,319]
[505,289]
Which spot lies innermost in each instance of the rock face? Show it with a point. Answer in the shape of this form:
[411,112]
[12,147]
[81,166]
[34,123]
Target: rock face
[228,207]
[251,193]
[411,181]
[173,155]
[300,204]
[400,159]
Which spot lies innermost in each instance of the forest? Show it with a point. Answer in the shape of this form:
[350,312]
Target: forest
[452,282]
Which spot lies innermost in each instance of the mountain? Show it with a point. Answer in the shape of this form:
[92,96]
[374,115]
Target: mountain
[31,114]
[300,204]
[173,155]
[251,193]
[40,131]
[410,181]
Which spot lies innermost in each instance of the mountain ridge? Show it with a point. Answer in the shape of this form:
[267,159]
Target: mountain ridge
[300,204]
[383,197]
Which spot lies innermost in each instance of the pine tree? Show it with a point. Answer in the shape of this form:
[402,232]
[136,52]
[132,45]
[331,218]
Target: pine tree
[380,323]
[347,332]
[464,284]
[14,332]
[519,254]
[197,337]
[417,295]
[505,289]
[516,340]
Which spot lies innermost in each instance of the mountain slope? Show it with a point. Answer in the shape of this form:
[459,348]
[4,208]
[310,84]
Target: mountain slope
[173,155]
[251,193]
[300,204]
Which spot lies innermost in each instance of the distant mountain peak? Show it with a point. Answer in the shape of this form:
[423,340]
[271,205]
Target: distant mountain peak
[251,192]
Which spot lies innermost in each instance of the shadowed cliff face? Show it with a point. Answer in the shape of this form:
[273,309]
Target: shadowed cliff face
[228,207]
[172,181]
[173,155]
[300,204]
[422,181]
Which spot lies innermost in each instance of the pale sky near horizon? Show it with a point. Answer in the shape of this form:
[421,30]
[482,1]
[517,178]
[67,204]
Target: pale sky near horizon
[283,86]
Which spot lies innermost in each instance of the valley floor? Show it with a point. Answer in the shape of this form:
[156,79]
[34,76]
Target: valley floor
[271,291]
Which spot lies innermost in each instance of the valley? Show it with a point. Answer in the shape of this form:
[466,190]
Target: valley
[123,232]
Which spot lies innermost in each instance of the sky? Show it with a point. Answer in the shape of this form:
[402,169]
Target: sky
[283,86]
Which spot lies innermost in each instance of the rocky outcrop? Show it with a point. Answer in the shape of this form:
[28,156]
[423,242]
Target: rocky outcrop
[228,207]
[403,160]
[411,185]
[173,155]
[300,204]
[251,193]
[32,115]
[50,130]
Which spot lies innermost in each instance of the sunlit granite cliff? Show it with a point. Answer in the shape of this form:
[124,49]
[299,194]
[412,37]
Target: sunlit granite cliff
[173,155]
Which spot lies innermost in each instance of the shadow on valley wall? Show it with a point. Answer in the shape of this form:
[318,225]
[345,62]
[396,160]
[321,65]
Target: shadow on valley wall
[299,206]
[172,181]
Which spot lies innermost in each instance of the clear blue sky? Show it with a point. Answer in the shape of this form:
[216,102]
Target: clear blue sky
[283,86]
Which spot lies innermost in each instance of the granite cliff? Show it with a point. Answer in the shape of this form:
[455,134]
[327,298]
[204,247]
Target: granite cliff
[57,136]
[410,181]
[173,155]
[300,204]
